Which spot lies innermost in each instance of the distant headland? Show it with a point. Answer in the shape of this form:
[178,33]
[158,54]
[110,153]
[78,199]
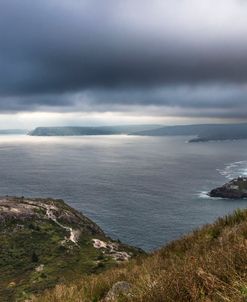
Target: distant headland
[199,133]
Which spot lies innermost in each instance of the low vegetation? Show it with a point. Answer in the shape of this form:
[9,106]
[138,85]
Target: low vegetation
[208,265]
[44,242]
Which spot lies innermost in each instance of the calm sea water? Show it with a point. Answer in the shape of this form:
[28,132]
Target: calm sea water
[146,191]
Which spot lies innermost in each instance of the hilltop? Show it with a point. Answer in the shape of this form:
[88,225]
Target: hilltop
[45,242]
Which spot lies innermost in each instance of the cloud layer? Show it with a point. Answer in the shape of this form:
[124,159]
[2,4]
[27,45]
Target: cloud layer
[72,55]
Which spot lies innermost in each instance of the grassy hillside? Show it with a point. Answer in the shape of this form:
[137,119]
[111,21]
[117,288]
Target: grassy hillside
[208,265]
[44,242]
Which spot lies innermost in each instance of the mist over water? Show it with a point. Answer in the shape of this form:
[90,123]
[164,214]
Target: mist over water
[146,191]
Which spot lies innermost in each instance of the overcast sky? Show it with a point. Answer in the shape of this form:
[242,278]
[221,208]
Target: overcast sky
[121,61]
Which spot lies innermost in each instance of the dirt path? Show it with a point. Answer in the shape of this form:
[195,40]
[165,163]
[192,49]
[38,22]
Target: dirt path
[51,216]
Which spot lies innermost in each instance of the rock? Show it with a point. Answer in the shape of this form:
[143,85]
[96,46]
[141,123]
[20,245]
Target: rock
[121,256]
[40,268]
[12,284]
[98,244]
[235,189]
[121,288]
[112,249]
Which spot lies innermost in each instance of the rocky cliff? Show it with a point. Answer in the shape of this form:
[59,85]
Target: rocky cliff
[235,189]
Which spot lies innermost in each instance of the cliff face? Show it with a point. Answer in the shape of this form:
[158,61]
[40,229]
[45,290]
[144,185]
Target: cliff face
[235,189]
[45,242]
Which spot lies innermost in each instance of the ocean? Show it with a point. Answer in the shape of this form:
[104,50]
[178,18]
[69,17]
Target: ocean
[145,191]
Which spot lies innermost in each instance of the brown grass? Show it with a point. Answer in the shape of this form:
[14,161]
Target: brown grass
[208,265]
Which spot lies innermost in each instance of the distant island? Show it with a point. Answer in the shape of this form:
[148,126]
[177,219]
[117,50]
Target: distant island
[101,130]
[234,189]
[202,132]
[45,242]
[199,133]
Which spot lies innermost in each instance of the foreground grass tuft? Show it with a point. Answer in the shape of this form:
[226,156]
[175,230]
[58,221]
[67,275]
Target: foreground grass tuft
[208,265]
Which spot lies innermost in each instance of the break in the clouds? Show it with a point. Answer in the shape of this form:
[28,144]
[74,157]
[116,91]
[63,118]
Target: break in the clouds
[176,57]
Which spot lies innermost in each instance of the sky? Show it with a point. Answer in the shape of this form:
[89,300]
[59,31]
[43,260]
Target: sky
[86,62]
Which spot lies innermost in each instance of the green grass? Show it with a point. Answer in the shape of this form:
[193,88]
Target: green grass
[61,263]
[241,184]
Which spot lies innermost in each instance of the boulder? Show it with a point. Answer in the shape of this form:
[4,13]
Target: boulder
[121,288]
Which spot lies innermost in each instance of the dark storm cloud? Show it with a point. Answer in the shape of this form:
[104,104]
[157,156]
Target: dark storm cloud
[70,54]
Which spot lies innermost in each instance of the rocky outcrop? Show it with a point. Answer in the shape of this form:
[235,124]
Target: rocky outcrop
[112,249]
[118,290]
[235,189]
